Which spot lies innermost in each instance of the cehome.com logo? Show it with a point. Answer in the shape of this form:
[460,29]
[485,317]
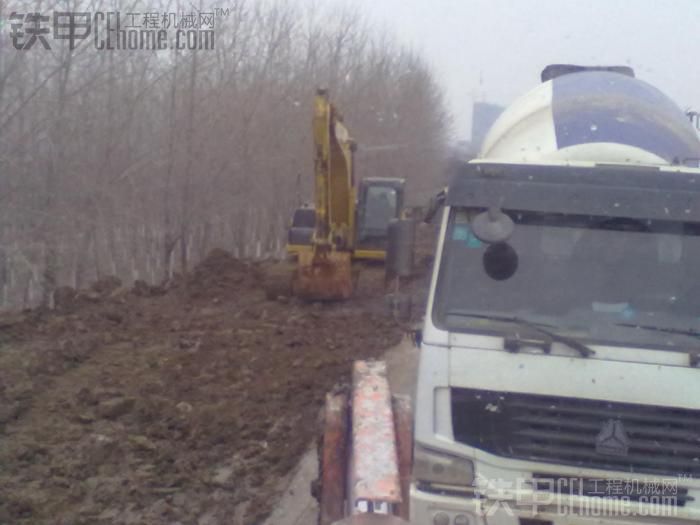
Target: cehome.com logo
[113,30]
[581,496]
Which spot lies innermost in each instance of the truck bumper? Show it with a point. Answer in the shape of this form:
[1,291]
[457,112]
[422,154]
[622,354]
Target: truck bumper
[426,506]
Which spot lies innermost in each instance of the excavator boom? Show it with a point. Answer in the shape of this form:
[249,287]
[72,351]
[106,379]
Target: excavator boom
[334,179]
[324,272]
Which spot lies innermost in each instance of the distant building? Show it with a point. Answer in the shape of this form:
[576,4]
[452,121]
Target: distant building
[483,116]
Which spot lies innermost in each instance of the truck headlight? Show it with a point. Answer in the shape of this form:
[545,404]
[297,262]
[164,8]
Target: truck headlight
[441,519]
[436,467]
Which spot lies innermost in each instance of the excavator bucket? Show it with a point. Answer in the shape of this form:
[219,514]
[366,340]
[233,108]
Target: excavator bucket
[323,276]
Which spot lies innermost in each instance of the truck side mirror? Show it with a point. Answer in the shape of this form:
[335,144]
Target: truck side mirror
[436,203]
[492,226]
[500,261]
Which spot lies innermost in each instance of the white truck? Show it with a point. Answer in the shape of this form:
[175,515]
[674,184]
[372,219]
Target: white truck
[558,378]
[558,381]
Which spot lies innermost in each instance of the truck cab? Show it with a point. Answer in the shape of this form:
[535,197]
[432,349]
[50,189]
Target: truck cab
[558,380]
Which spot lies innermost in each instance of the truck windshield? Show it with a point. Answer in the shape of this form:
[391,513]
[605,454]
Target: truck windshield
[604,279]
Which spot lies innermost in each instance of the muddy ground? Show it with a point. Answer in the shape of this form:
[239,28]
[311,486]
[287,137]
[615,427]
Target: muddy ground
[184,404]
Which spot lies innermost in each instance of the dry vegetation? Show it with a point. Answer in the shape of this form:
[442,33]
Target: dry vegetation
[137,163]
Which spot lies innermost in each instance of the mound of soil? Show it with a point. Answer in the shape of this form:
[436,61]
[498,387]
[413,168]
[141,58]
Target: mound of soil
[184,403]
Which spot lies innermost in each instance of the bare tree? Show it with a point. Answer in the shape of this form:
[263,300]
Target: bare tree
[138,162]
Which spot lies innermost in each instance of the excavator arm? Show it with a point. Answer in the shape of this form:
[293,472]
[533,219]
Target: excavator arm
[324,272]
[333,171]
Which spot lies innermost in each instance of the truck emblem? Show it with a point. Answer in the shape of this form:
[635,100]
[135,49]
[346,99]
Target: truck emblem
[612,439]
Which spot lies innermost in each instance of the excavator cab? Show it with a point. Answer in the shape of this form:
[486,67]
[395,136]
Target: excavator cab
[301,230]
[379,201]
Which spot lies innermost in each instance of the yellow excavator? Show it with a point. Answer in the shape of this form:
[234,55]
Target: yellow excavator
[346,222]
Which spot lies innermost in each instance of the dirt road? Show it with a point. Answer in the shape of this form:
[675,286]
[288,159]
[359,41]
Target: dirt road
[188,403]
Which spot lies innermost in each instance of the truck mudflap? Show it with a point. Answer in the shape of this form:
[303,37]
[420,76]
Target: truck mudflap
[372,519]
[365,463]
[333,464]
[403,423]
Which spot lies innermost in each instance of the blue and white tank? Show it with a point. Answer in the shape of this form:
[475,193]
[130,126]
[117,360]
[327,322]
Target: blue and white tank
[593,116]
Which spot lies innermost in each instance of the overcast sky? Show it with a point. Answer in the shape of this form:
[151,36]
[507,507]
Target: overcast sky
[494,50]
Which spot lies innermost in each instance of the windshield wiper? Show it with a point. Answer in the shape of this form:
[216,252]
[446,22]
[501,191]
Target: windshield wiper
[581,348]
[694,333]
[693,354]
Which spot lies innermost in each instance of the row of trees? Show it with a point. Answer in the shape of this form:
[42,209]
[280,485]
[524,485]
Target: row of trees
[137,162]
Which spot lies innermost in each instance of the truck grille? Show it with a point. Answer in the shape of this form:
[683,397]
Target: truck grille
[559,430]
